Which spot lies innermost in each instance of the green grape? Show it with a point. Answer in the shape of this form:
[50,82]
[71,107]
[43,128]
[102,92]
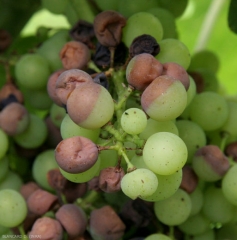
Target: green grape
[13,208]
[154,126]
[191,90]
[175,209]
[193,136]
[133,120]
[44,162]
[173,50]
[194,225]
[139,24]
[227,232]
[157,236]
[167,21]
[109,157]
[51,48]
[32,71]
[177,8]
[71,16]
[208,235]
[204,59]
[84,176]
[4,143]
[141,182]
[197,201]
[216,207]
[70,129]
[209,110]
[229,183]
[3,230]
[107,5]
[230,124]
[35,134]
[168,185]
[138,161]
[165,153]
[40,101]
[55,6]
[4,163]
[130,7]
[11,181]
[57,114]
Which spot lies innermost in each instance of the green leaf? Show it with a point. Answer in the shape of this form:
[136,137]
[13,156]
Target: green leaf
[232,16]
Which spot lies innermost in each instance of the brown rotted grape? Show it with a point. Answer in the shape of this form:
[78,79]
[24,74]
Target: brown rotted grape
[106,224]
[108,27]
[110,179]
[73,219]
[76,154]
[189,179]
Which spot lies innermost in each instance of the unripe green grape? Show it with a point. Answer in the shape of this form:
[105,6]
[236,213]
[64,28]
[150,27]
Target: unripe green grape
[157,236]
[208,235]
[13,208]
[229,183]
[165,153]
[209,110]
[57,114]
[32,71]
[107,5]
[216,207]
[139,24]
[50,49]
[227,231]
[70,129]
[173,50]
[84,176]
[167,20]
[197,201]
[154,126]
[194,225]
[191,90]
[90,105]
[44,162]
[174,210]
[193,136]
[34,135]
[11,181]
[140,182]
[164,99]
[133,120]
[4,143]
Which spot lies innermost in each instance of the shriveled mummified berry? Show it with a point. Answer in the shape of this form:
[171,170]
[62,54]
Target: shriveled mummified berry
[14,119]
[189,179]
[102,80]
[47,228]
[76,154]
[110,179]
[73,219]
[199,81]
[106,224]
[210,164]
[231,150]
[144,44]
[108,27]
[102,55]
[41,201]
[84,32]
[67,82]
[142,70]
[75,55]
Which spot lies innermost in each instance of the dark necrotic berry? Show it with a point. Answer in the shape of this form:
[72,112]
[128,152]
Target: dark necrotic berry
[102,55]
[144,44]
[83,31]
[10,99]
[102,80]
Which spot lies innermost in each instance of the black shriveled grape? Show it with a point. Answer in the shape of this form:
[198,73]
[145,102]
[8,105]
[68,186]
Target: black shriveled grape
[5,40]
[10,99]
[144,44]
[102,55]
[102,80]
[83,31]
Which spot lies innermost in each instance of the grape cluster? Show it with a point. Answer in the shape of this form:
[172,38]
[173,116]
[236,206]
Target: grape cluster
[111,130]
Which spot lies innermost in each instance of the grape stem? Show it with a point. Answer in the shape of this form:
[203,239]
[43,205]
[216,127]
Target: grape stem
[22,232]
[86,202]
